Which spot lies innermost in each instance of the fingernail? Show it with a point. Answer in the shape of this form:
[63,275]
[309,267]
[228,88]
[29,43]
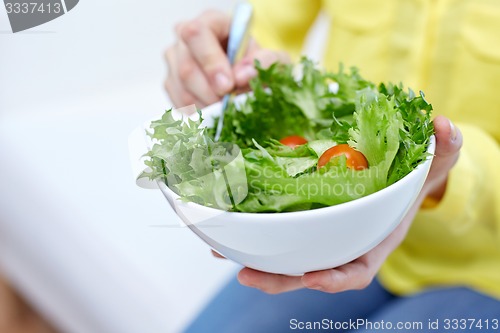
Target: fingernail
[245,73]
[223,83]
[453,131]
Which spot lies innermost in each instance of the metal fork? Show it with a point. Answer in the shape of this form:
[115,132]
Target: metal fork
[236,45]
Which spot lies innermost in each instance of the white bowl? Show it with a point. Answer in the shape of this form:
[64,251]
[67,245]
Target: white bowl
[297,242]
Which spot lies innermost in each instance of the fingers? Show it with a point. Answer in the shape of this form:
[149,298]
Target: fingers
[448,143]
[267,282]
[244,69]
[193,79]
[354,275]
[359,273]
[177,92]
[448,137]
[198,70]
[204,39]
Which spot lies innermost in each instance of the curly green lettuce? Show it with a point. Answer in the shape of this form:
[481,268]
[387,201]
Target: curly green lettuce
[390,126]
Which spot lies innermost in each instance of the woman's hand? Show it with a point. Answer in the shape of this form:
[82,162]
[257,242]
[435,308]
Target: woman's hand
[359,273]
[198,69]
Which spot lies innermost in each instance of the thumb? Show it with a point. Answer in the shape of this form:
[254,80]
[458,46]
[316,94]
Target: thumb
[448,143]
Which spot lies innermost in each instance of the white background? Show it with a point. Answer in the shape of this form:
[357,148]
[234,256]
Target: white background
[96,47]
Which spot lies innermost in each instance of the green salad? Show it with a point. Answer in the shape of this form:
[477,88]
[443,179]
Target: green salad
[295,143]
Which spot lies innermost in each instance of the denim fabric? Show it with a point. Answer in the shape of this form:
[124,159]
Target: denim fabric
[239,309]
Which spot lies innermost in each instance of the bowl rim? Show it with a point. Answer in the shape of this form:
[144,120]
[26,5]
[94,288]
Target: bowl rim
[319,211]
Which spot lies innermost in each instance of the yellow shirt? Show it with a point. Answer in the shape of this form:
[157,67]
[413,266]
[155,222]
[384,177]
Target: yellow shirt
[450,49]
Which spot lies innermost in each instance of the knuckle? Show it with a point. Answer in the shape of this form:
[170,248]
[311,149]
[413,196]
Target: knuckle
[215,62]
[211,65]
[186,70]
[190,30]
[218,21]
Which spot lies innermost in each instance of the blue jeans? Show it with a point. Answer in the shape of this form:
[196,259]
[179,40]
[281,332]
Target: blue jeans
[239,309]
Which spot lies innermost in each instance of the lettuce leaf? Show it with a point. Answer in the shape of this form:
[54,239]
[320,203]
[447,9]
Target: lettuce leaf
[186,159]
[251,171]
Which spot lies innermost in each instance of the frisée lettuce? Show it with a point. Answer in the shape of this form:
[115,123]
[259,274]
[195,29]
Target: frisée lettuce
[249,170]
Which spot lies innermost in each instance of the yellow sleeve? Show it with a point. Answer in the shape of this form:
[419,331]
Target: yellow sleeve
[472,192]
[458,241]
[283,24]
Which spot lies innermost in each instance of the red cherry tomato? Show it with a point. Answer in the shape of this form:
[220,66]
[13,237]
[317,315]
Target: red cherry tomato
[355,159]
[293,141]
